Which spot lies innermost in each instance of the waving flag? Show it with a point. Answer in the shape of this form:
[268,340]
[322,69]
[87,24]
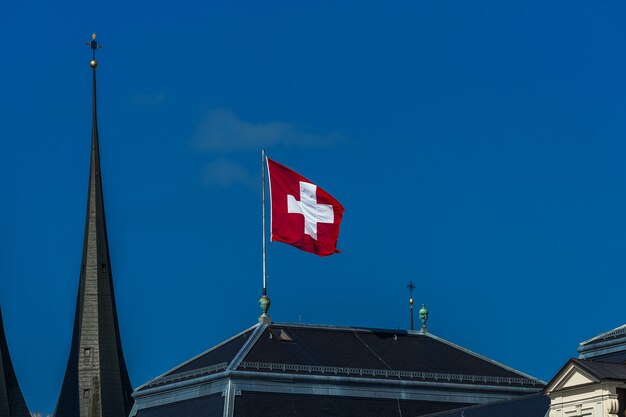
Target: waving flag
[302,214]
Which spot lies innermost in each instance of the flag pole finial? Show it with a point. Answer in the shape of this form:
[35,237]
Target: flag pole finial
[411,287]
[264,303]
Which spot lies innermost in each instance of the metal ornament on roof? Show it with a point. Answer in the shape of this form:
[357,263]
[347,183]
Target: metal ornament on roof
[264,304]
[424,317]
[411,287]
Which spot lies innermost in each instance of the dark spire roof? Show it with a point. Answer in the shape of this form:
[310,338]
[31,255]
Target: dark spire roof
[96,381]
[12,402]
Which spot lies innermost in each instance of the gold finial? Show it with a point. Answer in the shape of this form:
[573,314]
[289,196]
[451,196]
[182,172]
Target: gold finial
[411,287]
[94,45]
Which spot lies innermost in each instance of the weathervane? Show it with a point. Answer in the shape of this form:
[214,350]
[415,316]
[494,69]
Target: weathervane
[94,46]
[411,287]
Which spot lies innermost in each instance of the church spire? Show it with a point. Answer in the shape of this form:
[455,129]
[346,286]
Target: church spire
[12,402]
[96,382]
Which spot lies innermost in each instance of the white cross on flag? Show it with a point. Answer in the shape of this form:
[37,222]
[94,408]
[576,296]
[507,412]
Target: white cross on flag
[303,215]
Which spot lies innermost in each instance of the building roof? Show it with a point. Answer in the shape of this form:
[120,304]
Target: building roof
[223,353]
[12,402]
[611,334]
[369,349]
[296,370]
[96,381]
[535,405]
[348,351]
[581,372]
[602,370]
[606,347]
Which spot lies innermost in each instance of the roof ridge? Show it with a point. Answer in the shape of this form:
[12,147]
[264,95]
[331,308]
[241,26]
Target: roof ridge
[247,346]
[180,365]
[372,350]
[348,328]
[582,363]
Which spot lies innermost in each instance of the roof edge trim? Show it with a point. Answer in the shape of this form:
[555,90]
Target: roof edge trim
[479,356]
[247,375]
[618,331]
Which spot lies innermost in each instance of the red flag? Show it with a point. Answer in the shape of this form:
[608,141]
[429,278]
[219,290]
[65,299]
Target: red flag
[303,215]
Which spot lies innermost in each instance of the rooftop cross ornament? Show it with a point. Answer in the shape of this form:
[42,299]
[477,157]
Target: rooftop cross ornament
[94,46]
[411,287]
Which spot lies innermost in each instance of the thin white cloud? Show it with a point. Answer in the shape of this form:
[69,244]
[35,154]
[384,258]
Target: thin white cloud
[224,173]
[220,130]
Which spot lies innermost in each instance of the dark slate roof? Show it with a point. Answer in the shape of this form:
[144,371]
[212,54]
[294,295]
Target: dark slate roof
[222,353]
[535,405]
[602,370]
[206,406]
[291,370]
[347,351]
[213,360]
[263,404]
[306,347]
[12,402]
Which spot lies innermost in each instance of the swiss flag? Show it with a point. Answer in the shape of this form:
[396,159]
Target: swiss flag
[303,215]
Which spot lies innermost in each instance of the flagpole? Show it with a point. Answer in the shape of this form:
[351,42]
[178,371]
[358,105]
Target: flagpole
[264,236]
[264,302]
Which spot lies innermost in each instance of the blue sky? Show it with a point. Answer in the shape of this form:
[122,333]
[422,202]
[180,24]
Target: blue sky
[477,147]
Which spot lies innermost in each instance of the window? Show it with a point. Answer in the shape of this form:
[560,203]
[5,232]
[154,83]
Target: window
[284,337]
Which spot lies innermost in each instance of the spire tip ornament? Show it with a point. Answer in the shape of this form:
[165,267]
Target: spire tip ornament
[94,45]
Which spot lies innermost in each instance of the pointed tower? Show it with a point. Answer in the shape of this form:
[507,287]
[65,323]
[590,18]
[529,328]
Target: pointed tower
[12,402]
[96,382]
